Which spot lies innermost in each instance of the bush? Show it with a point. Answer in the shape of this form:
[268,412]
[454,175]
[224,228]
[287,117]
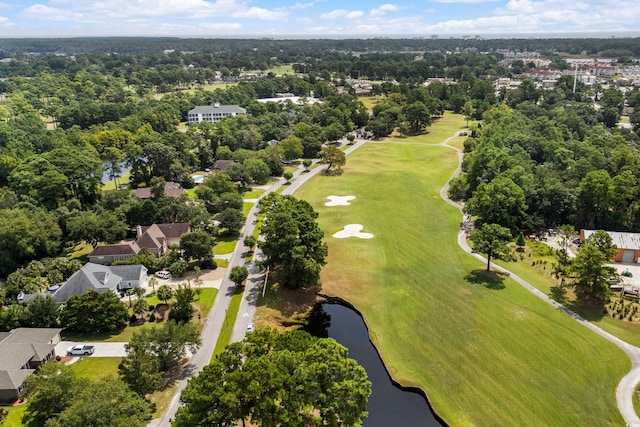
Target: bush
[152,307]
[209,264]
[152,318]
[133,318]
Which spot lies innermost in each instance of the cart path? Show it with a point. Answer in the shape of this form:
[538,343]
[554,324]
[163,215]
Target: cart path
[626,387]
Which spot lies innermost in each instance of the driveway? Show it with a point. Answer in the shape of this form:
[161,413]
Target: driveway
[102,349]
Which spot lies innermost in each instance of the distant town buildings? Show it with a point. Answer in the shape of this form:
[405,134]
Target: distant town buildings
[213,113]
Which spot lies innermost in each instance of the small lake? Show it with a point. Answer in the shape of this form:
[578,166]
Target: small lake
[388,405]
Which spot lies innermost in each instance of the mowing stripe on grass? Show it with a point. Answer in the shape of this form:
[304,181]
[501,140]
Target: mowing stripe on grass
[229,321]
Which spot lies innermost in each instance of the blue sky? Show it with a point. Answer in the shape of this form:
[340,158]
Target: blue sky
[319,18]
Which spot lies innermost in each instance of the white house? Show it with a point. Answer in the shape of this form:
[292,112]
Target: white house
[213,113]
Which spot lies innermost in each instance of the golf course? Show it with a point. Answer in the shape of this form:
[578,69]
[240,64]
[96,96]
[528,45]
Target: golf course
[485,350]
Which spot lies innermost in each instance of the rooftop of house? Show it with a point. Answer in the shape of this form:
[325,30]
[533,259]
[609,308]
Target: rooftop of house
[171,189]
[91,276]
[122,249]
[13,379]
[222,165]
[218,108]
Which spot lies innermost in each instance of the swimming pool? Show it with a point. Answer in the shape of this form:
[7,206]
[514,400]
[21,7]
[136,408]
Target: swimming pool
[197,178]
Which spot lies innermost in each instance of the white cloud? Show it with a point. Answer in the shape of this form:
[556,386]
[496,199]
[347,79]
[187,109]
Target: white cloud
[383,9]
[300,6]
[464,1]
[354,14]
[260,13]
[334,14]
[52,13]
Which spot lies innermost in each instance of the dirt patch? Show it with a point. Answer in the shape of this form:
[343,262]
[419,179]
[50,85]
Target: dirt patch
[283,308]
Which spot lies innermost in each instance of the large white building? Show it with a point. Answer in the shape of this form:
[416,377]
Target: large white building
[214,113]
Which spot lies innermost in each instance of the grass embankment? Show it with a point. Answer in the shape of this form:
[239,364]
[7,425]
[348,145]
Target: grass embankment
[123,183]
[486,351]
[229,321]
[539,276]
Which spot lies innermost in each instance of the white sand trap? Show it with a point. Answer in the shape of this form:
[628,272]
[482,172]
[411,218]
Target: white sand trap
[352,230]
[339,200]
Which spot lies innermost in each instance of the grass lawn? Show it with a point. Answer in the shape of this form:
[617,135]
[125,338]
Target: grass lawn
[14,415]
[253,194]
[227,328]
[485,350]
[539,277]
[441,129]
[370,101]
[222,263]
[225,245]
[123,181]
[282,69]
[79,251]
[246,207]
[205,300]
[96,368]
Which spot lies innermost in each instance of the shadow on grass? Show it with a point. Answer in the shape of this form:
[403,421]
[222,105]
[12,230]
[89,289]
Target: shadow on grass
[489,279]
[292,304]
[559,294]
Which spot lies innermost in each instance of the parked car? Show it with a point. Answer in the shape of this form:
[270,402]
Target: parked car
[251,327]
[80,350]
[163,274]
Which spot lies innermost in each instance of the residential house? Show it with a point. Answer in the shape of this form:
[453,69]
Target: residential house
[157,238]
[222,165]
[22,351]
[213,113]
[171,189]
[109,253]
[99,278]
[628,245]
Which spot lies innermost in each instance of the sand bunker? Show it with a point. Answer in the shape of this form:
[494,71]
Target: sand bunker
[352,230]
[339,200]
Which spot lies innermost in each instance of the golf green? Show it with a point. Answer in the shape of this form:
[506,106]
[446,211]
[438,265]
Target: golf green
[486,351]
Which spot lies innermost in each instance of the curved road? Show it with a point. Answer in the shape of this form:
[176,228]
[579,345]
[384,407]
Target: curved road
[626,387]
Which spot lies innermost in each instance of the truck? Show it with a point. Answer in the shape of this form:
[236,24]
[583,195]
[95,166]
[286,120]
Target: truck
[80,350]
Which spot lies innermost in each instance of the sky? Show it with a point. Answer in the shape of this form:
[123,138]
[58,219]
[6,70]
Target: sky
[317,18]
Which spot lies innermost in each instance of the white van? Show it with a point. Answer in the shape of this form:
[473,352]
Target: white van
[163,274]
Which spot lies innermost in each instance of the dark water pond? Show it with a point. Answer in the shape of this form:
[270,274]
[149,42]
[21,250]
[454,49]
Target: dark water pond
[388,405]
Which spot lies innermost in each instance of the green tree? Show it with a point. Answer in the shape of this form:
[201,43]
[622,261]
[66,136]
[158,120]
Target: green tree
[293,244]
[94,312]
[287,176]
[140,306]
[238,275]
[258,170]
[303,380]
[307,163]
[197,244]
[165,293]
[182,309]
[417,115]
[96,227]
[42,312]
[500,201]
[469,111]
[106,403]
[50,391]
[491,240]
[250,242]
[231,219]
[332,156]
[292,148]
[590,266]
[140,369]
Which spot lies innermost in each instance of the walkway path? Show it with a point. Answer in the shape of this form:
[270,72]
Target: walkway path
[626,387]
[214,322]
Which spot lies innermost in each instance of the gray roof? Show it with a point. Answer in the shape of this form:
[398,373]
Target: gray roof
[622,240]
[229,109]
[128,272]
[91,276]
[15,356]
[31,335]
[11,380]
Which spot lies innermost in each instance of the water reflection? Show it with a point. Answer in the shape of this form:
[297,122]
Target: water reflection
[388,405]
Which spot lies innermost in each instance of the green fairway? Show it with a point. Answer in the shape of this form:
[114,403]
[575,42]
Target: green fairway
[442,128]
[486,352]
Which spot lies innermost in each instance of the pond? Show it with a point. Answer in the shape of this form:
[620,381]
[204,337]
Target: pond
[389,405]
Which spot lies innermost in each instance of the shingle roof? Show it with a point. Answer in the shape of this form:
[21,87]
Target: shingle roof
[11,380]
[222,165]
[128,272]
[174,230]
[31,335]
[90,277]
[15,356]
[171,189]
[125,249]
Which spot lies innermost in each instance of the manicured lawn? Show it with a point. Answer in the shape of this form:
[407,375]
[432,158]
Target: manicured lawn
[96,368]
[225,245]
[246,207]
[227,328]
[123,181]
[485,350]
[222,263]
[539,277]
[370,101]
[79,251]
[282,69]
[253,194]
[14,415]
[205,300]
[442,128]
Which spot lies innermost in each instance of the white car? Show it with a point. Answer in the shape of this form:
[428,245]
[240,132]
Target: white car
[163,274]
[251,327]
[80,350]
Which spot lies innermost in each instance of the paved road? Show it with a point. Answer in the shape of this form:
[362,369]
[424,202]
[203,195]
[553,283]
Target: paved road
[102,349]
[626,387]
[246,314]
